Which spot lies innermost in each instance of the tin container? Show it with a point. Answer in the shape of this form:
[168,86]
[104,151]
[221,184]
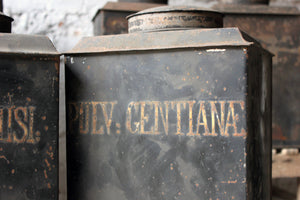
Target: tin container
[111,19]
[29,71]
[175,114]
[5,22]
[277,29]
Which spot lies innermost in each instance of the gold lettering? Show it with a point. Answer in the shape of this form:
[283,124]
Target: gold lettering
[23,110]
[233,116]
[165,121]
[156,105]
[107,119]
[31,120]
[94,120]
[243,132]
[178,109]
[191,133]
[84,119]
[145,118]
[9,133]
[202,113]
[221,122]
[129,118]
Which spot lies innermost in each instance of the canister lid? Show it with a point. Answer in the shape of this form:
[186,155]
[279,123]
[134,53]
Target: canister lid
[174,18]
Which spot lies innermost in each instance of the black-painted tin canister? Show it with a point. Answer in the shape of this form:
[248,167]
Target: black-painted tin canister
[173,114]
[29,78]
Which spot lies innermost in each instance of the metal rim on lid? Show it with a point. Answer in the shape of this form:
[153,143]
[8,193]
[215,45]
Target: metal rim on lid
[173,18]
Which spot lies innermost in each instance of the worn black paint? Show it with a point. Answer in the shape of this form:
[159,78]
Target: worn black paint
[28,168]
[134,166]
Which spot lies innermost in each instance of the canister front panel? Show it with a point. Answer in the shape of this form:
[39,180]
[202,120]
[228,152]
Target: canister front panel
[157,125]
[28,127]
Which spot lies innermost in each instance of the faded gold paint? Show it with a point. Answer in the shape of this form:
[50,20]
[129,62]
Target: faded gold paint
[95,119]
[220,119]
[193,118]
[84,119]
[202,114]
[21,124]
[108,119]
[23,117]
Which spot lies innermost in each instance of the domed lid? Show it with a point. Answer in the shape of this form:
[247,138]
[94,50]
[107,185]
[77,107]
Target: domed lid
[173,18]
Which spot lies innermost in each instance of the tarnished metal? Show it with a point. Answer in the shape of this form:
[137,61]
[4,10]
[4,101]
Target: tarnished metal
[169,115]
[29,71]
[173,18]
[5,23]
[248,2]
[277,28]
[146,1]
[111,19]
[161,41]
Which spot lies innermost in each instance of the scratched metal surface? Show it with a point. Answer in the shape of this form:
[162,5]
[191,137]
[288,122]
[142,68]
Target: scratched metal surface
[29,126]
[277,29]
[169,124]
[166,18]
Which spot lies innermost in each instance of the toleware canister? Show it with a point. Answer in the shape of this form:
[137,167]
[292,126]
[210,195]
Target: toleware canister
[179,108]
[29,71]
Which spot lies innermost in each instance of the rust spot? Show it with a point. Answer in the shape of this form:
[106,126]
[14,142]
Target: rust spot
[28,99]
[10,187]
[56,67]
[45,174]
[13,171]
[229,182]
[224,88]
[179,193]
[44,117]
[1,149]
[277,133]
[49,185]
[88,67]
[46,128]
[19,88]
[47,162]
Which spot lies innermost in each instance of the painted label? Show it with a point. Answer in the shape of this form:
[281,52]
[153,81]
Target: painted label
[182,118]
[17,125]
